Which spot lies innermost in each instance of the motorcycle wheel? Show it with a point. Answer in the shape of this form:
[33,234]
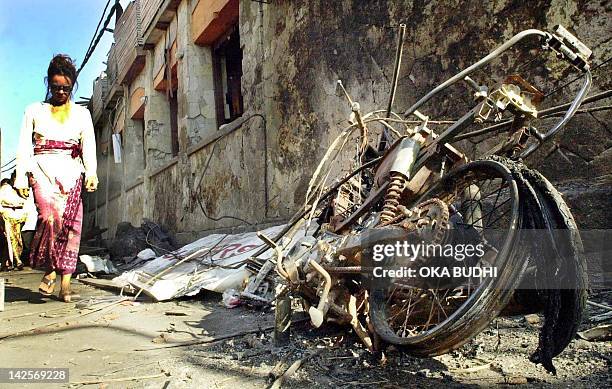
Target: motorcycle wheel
[434,321]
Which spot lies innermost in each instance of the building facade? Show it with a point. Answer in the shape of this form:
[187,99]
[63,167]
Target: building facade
[223,108]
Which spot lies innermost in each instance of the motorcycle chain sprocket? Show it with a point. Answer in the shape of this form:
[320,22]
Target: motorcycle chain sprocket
[430,219]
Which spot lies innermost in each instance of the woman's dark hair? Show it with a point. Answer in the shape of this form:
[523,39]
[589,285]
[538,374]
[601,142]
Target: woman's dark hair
[61,65]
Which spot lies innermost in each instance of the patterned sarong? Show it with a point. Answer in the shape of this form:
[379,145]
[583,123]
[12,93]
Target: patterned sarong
[55,245]
[12,231]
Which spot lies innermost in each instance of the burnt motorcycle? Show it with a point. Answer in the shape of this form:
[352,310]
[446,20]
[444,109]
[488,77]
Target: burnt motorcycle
[409,183]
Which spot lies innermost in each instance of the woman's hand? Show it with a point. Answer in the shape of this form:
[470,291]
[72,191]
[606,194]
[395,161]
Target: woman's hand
[91,183]
[23,192]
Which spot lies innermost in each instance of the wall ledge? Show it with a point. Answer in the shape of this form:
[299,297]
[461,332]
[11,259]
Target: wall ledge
[163,167]
[137,182]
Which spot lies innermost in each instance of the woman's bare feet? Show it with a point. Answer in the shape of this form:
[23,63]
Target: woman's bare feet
[68,296]
[65,293]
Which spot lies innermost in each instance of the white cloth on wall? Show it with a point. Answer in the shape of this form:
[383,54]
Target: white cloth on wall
[117,147]
[61,166]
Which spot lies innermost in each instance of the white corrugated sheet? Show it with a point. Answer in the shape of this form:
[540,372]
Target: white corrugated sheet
[206,270]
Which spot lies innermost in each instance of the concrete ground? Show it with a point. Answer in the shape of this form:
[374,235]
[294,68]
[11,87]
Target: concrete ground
[110,344]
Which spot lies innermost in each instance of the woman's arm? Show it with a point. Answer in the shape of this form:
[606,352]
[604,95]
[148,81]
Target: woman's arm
[25,151]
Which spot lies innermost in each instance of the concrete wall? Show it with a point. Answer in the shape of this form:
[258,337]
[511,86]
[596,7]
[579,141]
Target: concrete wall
[133,201]
[293,54]
[158,144]
[196,101]
[133,139]
[162,187]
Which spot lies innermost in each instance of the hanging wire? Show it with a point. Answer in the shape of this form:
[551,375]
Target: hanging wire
[8,169]
[212,151]
[577,78]
[3,166]
[98,26]
[92,48]
[548,112]
[206,166]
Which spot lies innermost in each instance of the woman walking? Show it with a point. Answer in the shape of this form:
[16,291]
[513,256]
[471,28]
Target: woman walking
[56,148]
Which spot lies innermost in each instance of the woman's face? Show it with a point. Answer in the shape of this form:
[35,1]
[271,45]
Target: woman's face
[60,87]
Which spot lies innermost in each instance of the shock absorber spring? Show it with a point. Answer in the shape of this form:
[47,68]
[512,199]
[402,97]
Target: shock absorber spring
[399,173]
[392,197]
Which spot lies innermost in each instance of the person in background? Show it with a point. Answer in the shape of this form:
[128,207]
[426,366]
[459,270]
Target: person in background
[13,216]
[28,228]
[57,147]
[5,263]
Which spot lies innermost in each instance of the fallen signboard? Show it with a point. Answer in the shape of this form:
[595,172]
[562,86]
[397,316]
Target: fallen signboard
[217,264]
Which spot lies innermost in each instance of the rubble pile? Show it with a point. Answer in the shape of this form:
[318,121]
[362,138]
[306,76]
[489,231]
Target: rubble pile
[130,240]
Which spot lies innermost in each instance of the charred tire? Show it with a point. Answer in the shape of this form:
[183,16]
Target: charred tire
[557,283]
[557,334]
[486,302]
